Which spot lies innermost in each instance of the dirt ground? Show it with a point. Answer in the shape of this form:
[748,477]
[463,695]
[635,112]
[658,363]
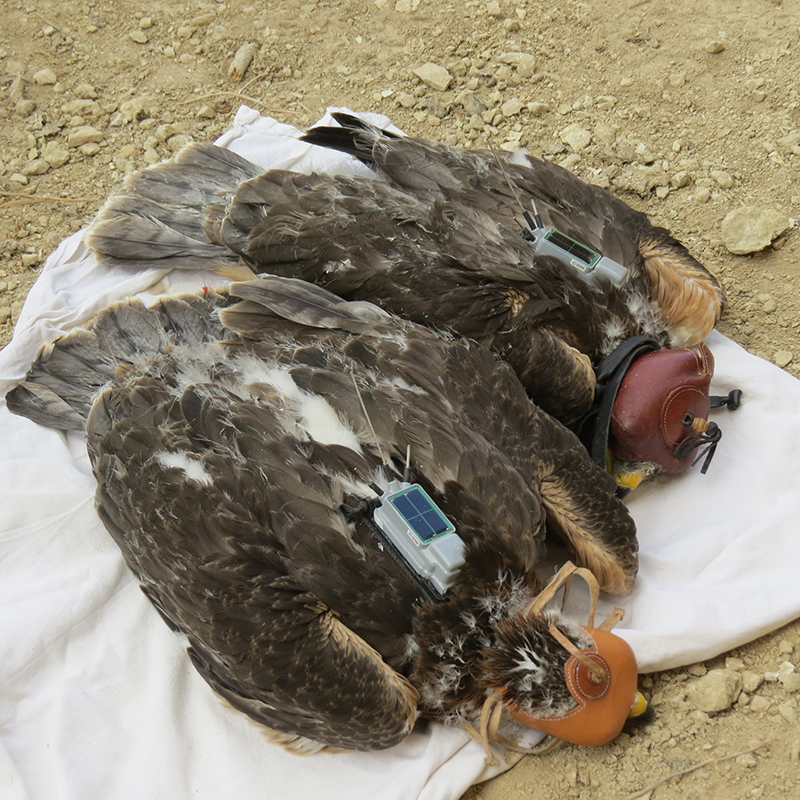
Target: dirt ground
[688,109]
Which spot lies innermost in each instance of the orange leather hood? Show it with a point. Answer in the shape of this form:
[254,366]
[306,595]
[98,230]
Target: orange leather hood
[602,708]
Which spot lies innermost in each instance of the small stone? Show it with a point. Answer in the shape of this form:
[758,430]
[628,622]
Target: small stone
[751,681]
[85,134]
[178,142]
[85,91]
[511,107]
[16,177]
[734,663]
[749,229]
[702,195]
[83,107]
[406,100]
[576,137]
[697,670]
[206,112]
[788,677]
[145,23]
[759,704]
[662,192]
[605,133]
[770,306]
[29,260]
[203,20]
[151,156]
[241,61]
[472,103]
[55,155]
[680,179]
[5,314]
[715,691]
[677,80]
[24,108]
[788,711]
[526,68]
[785,647]
[90,148]
[714,46]
[538,109]
[36,167]
[747,760]
[45,77]
[724,179]
[434,76]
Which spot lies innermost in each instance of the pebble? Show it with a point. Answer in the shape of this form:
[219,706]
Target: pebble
[84,107]
[788,711]
[203,20]
[715,691]
[24,108]
[751,681]
[241,61]
[702,195]
[605,133]
[759,703]
[511,107]
[714,46]
[45,77]
[138,36]
[724,179]
[82,135]
[139,108]
[750,228]
[38,166]
[697,670]
[577,137]
[434,76]
[5,314]
[788,677]
[55,155]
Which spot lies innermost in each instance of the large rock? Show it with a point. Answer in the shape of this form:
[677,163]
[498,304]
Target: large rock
[715,691]
[433,75]
[750,228]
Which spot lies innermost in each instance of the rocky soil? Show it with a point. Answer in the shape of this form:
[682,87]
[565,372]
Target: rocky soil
[687,109]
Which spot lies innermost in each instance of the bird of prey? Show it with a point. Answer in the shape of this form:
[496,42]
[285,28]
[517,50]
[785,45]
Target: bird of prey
[434,235]
[247,445]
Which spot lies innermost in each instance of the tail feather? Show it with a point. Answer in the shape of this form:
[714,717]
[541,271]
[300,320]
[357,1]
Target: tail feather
[296,301]
[45,407]
[158,220]
[69,374]
[355,137]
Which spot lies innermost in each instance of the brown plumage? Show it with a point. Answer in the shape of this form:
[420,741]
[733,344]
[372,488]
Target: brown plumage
[228,441]
[435,237]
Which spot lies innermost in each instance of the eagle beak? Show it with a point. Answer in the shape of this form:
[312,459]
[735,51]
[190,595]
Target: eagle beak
[639,706]
[629,480]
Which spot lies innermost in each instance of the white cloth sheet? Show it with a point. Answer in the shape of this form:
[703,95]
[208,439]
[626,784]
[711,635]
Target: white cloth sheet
[97,696]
